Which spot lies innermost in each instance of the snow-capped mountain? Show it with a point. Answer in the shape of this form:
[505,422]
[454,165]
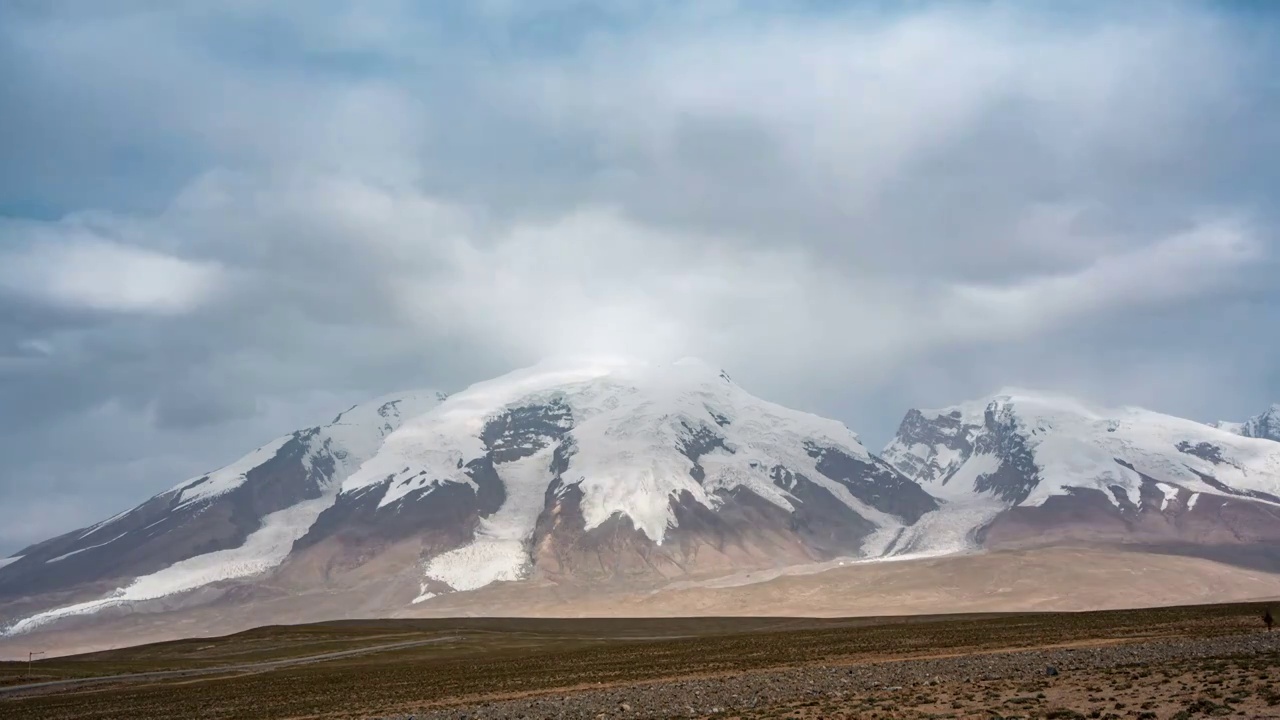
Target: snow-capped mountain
[1046,467]
[577,478]
[1265,426]
[569,472]
[236,522]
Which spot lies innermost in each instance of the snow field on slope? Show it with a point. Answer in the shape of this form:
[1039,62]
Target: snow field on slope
[358,433]
[758,437]
[227,478]
[436,445]
[629,419]
[629,462]
[264,549]
[95,528]
[9,560]
[950,530]
[959,487]
[499,550]
[91,547]
[1076,445]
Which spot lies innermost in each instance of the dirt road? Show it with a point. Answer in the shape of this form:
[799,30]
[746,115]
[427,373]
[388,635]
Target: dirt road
[262,666]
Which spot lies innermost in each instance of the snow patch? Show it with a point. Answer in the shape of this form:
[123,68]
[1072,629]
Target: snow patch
[77,552]
[9,560]
[1235,428]
[95,528]
[1170,494]
[960,486]
[499,550]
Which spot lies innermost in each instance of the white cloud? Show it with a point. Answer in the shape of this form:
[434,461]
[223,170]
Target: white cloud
[594,280]
[912,139]
[89,273]
[835,206]
[1208,257]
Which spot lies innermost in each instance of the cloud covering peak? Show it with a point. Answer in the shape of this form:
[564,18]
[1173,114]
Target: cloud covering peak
[225,223]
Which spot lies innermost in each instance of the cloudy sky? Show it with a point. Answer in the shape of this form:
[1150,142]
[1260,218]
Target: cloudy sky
[220,221]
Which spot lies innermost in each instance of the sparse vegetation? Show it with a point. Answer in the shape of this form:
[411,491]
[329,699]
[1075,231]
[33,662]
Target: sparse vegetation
[740,668]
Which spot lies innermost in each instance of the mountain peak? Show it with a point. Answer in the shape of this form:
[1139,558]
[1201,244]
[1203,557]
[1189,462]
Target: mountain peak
[1021,400]
[1026,446]
[604,468]
[574,467]
[1264,426]
[632,408]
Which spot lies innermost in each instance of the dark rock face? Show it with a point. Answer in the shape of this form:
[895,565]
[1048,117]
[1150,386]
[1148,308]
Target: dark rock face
[356,518]
[1184,521]
[562,549]
[523,431]
[1017,475]
[948,431]
[1162,514]
[449,512]
[998,435]
[699,441]
[874,483]
[744,530]
[1087,513]
[1122,499]
[821,520]
[1202,450]
[1265,426]
[1242,492]
[718,417]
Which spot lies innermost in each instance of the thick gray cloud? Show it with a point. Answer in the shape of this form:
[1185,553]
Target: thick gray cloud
[220,224]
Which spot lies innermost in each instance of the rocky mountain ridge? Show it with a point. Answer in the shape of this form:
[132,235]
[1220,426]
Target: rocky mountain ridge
[1265,425]
[607,471]
[1049,468]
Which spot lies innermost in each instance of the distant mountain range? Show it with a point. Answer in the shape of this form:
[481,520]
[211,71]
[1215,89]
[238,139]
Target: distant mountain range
[630,477]
[1043,469]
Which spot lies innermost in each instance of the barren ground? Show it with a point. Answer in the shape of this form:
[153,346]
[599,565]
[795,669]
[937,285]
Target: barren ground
[1047,579]
[1161,663]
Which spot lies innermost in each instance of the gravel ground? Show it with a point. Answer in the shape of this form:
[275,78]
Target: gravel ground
[788,689]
